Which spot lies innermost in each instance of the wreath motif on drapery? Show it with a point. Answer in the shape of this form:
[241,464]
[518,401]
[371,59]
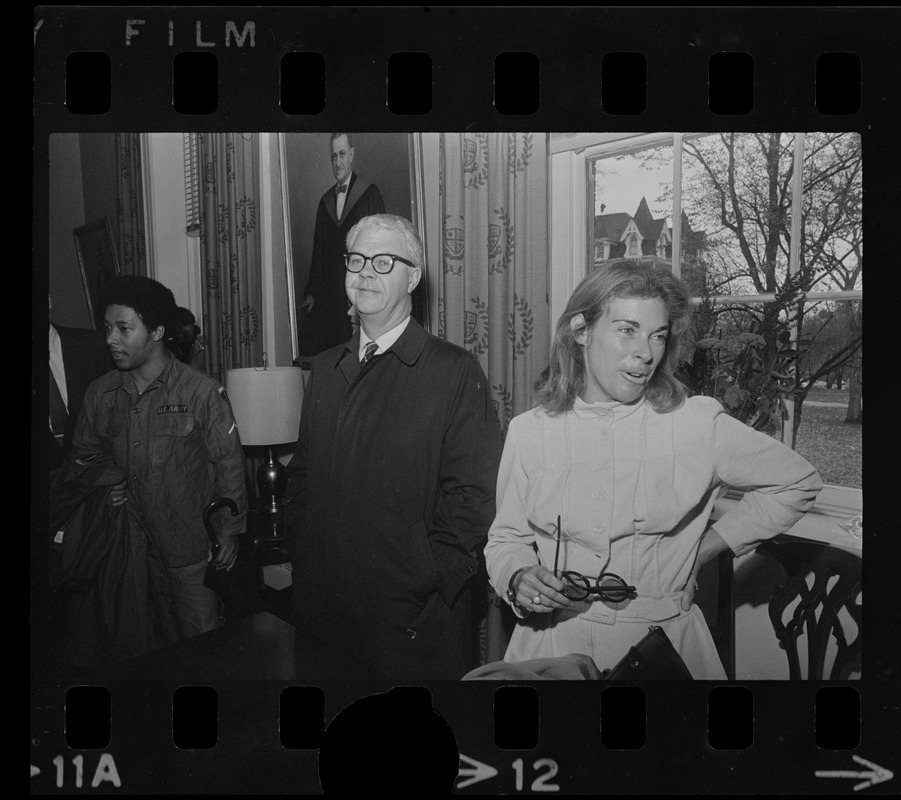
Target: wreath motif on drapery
[521,310]
[504,406]
[250,324]
[245,216]
[230,161]
[518,163]
[441,333]
[506,252]
[475,336]
[245,219]
[225,327]
[222,222]
[209,177]
[212,281]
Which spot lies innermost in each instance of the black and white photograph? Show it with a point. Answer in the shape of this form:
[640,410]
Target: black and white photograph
[529,438]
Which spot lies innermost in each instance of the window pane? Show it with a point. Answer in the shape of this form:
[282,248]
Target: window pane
[832,240]
[633,207]
[736,189]
[830,367]
[830,429]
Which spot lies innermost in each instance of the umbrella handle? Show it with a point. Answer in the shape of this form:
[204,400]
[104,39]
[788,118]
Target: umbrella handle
[216,504]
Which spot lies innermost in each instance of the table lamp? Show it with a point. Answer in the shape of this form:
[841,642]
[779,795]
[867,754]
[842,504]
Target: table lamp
[266,403]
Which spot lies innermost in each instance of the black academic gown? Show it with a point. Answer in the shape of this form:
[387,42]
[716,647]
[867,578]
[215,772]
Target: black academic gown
[328,322]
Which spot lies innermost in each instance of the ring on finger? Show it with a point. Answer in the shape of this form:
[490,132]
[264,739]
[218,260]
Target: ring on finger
[537,600]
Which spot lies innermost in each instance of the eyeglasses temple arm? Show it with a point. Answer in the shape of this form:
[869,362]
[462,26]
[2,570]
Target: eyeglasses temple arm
[557,551]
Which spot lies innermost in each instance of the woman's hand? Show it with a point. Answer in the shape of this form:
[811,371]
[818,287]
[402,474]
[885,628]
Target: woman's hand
[539,591]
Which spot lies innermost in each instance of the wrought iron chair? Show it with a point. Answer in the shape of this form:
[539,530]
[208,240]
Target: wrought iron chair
[816,609]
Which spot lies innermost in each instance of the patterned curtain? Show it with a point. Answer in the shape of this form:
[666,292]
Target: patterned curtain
[492,295]
[131,244]
[230,252]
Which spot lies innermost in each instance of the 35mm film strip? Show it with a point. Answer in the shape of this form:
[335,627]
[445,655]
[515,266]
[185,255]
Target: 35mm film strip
[390,71]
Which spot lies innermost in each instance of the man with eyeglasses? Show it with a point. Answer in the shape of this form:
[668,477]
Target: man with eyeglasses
[391,488]
[343,205]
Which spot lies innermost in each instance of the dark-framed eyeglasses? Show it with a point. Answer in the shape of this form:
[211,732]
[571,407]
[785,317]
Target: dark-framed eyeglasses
[607,585]
[382,263]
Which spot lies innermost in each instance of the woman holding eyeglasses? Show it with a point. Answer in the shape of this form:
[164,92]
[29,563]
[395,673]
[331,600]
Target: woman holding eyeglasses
[605,490]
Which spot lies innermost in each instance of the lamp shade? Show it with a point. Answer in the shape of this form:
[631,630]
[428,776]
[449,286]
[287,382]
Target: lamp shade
[266,403]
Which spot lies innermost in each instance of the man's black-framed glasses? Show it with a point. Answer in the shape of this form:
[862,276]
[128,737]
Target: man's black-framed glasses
[608,586]
[382,263]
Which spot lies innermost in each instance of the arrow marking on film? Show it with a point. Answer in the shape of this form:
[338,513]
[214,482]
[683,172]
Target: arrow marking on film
[35,770]
[474,771]
[875,774]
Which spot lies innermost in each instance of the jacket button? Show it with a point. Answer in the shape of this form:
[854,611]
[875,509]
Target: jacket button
[470,568]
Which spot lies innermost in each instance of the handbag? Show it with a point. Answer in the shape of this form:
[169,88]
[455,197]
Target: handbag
[653,659]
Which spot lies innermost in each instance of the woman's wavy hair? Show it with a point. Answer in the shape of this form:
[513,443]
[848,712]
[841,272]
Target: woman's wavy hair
[564,379]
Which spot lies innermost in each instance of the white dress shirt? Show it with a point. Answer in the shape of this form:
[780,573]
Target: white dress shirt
[341,198]
[384,341]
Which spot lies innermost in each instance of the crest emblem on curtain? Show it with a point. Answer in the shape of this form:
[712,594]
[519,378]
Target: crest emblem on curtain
[470,148]
[454,243]
[469,325]
[246,216]
[494,240]
[476,327]
[501,252]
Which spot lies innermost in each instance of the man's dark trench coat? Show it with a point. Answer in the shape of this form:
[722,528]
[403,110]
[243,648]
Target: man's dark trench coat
[390,496]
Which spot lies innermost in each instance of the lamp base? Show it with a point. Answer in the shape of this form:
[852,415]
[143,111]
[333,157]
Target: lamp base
[272,478]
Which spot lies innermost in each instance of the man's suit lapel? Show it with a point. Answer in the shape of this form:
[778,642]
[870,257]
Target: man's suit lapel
[348,359]
[331,205]
[354,192]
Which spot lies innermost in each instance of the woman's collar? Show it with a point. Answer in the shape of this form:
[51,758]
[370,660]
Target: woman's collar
[584,410]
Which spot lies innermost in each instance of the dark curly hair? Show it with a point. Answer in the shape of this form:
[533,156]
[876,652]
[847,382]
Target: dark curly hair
[152,302]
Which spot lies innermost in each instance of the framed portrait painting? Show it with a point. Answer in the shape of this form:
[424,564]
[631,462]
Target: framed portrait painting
[97,259]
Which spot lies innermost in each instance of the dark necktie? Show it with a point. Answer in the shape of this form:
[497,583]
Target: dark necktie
[368,353]
[340,189]
[58,413]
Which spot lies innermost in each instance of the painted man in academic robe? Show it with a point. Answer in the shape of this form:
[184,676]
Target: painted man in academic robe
[340,208]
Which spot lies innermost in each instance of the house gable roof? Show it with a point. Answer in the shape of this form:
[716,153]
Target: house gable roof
[611,226]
